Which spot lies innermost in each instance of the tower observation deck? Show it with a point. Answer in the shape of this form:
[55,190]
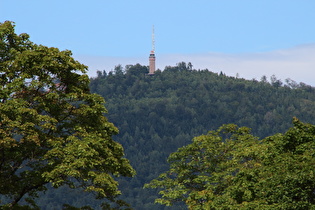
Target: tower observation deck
[152,55]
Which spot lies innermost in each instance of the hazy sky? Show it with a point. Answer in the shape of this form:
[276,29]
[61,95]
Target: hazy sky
[248,37]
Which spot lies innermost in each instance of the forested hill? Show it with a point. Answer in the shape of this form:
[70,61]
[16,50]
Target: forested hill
[158,114]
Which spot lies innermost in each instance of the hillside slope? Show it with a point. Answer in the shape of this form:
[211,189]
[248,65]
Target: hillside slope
[158,114]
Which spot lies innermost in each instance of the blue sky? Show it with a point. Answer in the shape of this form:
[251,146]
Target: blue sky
[248,37]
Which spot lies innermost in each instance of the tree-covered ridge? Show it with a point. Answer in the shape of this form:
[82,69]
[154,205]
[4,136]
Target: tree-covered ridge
[158,114]
[202,96]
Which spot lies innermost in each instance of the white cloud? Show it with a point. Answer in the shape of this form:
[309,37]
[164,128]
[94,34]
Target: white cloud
[297,63]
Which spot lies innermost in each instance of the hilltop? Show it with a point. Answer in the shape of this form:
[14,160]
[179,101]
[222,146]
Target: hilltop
[158,114]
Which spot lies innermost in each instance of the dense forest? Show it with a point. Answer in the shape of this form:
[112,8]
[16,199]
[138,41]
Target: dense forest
[158,114]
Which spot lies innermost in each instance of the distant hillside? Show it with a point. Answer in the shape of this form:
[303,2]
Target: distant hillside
[158,114]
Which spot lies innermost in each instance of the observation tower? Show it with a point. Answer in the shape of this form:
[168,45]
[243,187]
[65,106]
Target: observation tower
[152,55]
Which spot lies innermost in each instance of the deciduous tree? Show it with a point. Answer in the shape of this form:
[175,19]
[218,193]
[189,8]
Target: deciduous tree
[232,169]
[52,129]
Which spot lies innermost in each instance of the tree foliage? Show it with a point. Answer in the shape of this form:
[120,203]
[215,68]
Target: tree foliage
[231,169]
[52,129]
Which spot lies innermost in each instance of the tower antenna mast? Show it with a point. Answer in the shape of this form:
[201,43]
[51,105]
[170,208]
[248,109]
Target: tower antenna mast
[153,41]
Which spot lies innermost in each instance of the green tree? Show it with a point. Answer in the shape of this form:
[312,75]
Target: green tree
[232,169]
[52,129]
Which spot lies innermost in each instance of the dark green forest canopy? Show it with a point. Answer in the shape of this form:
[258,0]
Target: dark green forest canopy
[200,100]
[158,114]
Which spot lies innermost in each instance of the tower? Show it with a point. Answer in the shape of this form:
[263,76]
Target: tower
[152,55]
